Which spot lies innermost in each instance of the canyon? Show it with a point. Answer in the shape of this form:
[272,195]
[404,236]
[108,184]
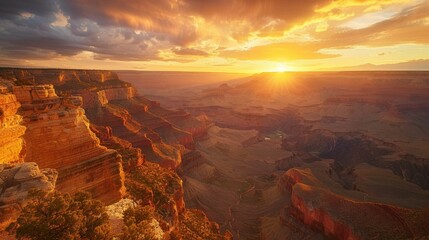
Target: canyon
[267,156]
[98,134]
[311,155]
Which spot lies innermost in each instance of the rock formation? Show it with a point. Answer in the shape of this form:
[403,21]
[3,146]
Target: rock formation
[57,76]
[11,132]
[121,128]
[16,180]
[342,218]
[110,102]
[58,136]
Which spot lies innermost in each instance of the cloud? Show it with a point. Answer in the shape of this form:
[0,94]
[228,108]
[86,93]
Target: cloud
[12,9]
[190,51]
[256,11]
[141,30]
[161,18]
[408,26]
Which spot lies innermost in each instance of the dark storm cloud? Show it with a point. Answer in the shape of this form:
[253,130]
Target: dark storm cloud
[162,18]
[12,8]
[27,32]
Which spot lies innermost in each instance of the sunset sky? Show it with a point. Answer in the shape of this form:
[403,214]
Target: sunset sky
[215,35]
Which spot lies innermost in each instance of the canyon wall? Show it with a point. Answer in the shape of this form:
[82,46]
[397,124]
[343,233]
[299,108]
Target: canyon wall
[71,134]
[58,136]
[11,131]
[16,178]
[100,98]
[340,217]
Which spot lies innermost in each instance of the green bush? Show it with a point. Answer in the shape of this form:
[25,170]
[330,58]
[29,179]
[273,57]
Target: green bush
[60,216]
[138,224]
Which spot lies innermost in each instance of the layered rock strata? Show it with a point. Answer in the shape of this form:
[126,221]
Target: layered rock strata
[11,132]
[136,127]
[129,119]
[58,136]
[340,217]
[16,178]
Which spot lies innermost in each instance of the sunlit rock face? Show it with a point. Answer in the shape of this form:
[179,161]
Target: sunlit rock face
[110,102]
[58,136]
[16,178]
[127,115]
[131,157]
[11,132]
[99,98]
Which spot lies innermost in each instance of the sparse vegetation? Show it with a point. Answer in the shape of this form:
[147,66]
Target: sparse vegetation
[140,224]
[62,216]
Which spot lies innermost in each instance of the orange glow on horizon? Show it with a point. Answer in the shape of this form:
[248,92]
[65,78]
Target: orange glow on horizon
[280,67]
[197,36]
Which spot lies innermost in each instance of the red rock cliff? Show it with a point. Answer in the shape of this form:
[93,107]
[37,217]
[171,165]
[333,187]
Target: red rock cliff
[16,178]
[58,136]
[341,218]
[11,132]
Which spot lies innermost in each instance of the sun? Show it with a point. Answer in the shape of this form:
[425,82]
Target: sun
[280,67]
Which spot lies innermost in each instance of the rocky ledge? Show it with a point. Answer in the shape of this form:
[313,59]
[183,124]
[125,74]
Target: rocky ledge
[11,131]
[58,136]
[16,180]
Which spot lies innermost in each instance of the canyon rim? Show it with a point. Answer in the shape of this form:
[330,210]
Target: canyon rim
[214,120]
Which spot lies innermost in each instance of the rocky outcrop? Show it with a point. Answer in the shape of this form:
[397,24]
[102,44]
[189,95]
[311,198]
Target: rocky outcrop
[16,180]
[98,98]
[58,136]
[342,218]
[11,131]
[125,127]
[162,188]
[131,157]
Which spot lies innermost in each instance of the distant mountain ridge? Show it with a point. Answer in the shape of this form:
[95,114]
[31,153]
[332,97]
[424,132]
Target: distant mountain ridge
[414,65]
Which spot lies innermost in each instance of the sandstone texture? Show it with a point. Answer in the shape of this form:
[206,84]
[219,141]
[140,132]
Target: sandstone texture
[58,136]
[11,130]
[158,132]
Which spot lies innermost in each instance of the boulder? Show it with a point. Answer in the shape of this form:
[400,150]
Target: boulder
[16,181]
[27,172]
